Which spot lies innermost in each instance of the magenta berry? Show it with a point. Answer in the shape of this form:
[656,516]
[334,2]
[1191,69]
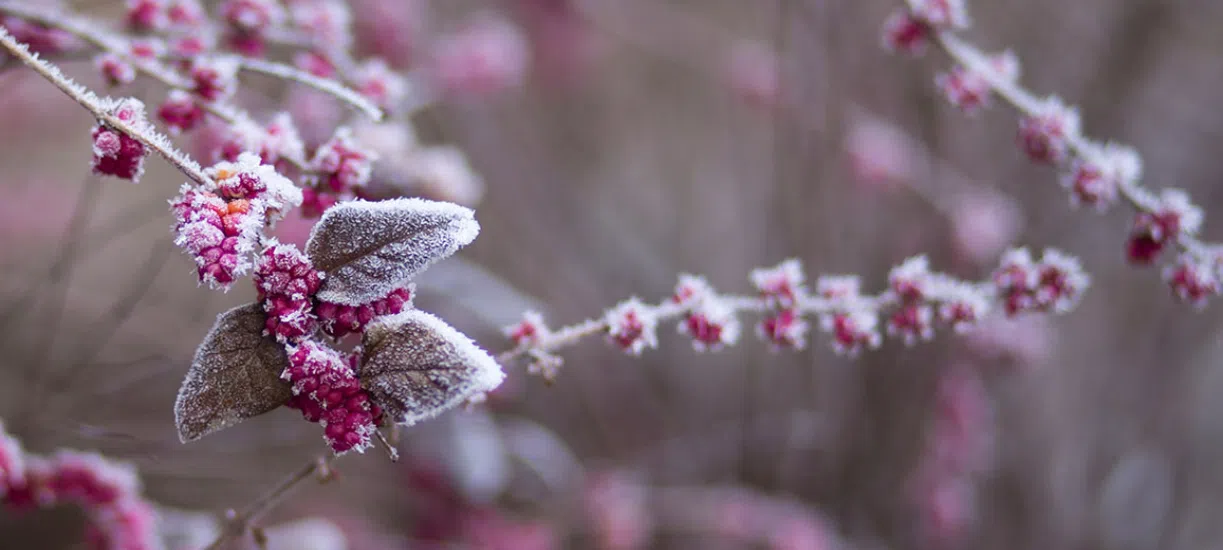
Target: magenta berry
[340,320]
[1046,135]
[115,70]
[114,152]
[215,78]
[1194,280]
[781,285]
[146,15]
[631,326]
[179,112]
[342,163]
[1163,220]
[784,330]
[529,331]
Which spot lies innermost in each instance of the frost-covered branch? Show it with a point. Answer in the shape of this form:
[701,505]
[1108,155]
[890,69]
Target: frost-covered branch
[1097,174]
[914,303]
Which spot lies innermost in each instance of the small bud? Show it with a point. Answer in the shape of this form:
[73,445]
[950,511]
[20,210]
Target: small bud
[1162,220]
[115,70]
[1097,182]
[781,285]
[970,90]
[783,330]
[852,330]
[1046,134]
[179,112]
[1193,280]
[215,78]
[529,331]
[631,326]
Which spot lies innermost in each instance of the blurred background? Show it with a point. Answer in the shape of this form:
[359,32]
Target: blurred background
[615,144]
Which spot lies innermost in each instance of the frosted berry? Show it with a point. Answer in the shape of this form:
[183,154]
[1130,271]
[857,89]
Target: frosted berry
[115,70]
[1046,134]
[146,15]
[339,320]
[378,83]
[784,330]
[1097,182]
[631,326]
[970,90]
[116,153]
[780,285]
[179,112]
[342,163]
[711,323]
[1161,221]
[214,78]
[852,330]
[529,331]
[1193,280]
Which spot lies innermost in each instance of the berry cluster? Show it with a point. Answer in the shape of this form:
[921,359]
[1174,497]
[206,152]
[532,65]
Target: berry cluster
[326,391]
[340,320]
[220,225]
[109,493]
[287,282]
[341,167]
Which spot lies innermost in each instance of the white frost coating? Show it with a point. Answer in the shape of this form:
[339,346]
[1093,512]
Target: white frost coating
[417,366]
[368,249]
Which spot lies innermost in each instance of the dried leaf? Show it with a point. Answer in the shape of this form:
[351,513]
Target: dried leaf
[368,249]
[416,366]
[235,375]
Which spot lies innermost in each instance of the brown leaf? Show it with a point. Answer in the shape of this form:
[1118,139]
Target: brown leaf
[416,366]
[235,375]
[368,249]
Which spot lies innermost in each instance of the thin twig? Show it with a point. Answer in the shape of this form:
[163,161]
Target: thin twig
[238,524]
[324,85]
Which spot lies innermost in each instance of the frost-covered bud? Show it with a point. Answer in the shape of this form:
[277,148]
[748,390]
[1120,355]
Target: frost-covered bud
[283,270]
[378,83]
[146,48]
[214,78]
[1162,220]
[185,14]
[1061,281]
[146,15]
[838,287]
[325,22]
[340,320]
[783,330]
[911,280]
[691,289]
[90,480]
[631,326]
[315,203]
[852,330]
[781,285]
[904,33]
[529,331]
[712,324]
[116,153]
[962,305]
[488,55]
[179,112]
[912,322]
[1193,280]
[252,16]
[1045,135]
[281,140]
[970,90]
[1015,279]
[941,13]
[343,164]
[1097,183]
[12,462]
[189,47]
[327,391]
[115,70]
